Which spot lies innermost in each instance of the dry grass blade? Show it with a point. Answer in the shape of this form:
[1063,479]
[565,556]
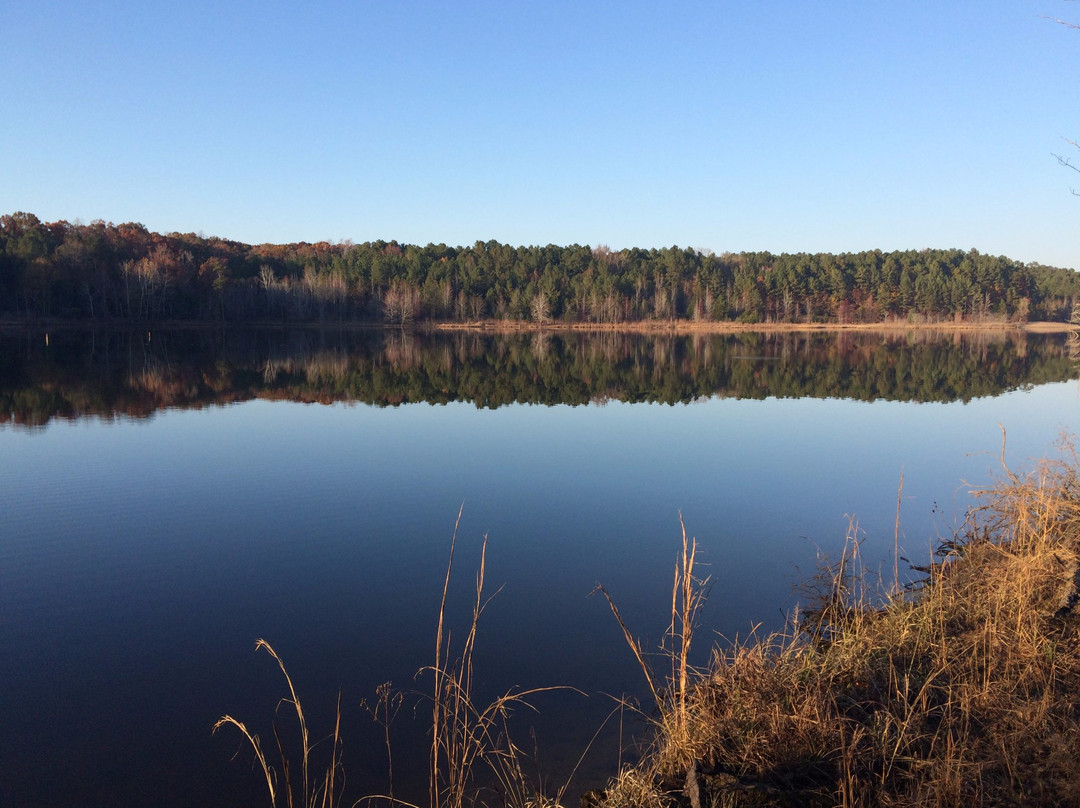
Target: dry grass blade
[252,739]
[688,594]
[305,746]
[465,732]
[387,706]
[323,794]
[438,669]
[634,645]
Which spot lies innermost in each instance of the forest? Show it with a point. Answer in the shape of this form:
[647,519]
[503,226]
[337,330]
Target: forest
[109,273]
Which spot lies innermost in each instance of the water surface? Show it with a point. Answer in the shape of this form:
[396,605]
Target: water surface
[165,499]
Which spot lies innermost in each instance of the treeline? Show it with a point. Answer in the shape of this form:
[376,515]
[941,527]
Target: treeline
[125,273]
[132,373]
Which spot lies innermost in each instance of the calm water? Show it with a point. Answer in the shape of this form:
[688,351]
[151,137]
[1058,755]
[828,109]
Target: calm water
[166,499]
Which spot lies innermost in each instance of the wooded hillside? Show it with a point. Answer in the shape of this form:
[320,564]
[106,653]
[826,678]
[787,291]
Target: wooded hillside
[117,273]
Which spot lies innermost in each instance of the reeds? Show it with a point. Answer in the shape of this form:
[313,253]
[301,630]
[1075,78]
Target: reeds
[670,692]
[289,791]
[962,690]
[466,732]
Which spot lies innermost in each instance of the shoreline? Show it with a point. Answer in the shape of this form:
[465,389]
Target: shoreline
[933,692]
[656,327]
[731,327]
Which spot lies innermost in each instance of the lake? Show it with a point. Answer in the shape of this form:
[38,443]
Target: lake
[166,498]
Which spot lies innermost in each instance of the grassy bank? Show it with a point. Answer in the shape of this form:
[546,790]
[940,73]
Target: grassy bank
[961,690]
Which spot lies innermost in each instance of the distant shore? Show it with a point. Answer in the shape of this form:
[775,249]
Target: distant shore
[730,327]
[528,326]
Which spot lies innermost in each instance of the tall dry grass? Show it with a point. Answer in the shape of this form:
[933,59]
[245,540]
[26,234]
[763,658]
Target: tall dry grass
[284,784]
[467,731]
[961,690]
[473,759]
[670,689]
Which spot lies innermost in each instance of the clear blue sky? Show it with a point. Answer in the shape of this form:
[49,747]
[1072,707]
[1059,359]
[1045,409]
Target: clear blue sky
[778,125]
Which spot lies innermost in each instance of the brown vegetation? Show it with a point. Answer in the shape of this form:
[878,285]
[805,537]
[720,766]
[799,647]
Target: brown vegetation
[289,788]
[958,691]
[467,735]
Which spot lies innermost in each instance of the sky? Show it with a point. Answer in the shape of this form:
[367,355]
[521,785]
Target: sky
[828,126]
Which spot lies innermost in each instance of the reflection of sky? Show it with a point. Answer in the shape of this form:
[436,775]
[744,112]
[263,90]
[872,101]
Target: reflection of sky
[327,528]
[765,472]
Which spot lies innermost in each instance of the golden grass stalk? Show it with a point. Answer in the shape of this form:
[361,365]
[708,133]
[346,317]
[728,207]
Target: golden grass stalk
[323,794]
[669,692]
[388,704]
[268,772]
[465,732]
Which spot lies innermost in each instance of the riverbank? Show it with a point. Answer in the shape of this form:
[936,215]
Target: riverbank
[678,327]
[957,691]
[681,327]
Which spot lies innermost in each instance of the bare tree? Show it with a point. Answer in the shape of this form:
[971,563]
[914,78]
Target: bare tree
[1067,161]
[268,281]
[541,307]
[400,303]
